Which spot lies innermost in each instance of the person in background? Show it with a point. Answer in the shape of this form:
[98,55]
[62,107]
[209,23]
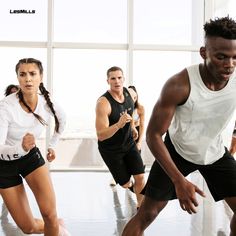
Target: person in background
[11,88]
[139,118]
[194,108]
[23,118]
[116,134]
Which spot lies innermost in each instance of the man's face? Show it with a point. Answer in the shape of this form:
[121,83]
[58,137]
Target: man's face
[115,80]
[220,58]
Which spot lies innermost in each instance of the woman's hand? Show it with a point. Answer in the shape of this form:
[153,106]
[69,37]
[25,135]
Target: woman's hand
[51,155]
[28,142]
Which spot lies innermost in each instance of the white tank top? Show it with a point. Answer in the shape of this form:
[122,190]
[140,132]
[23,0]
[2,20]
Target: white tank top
[197,126]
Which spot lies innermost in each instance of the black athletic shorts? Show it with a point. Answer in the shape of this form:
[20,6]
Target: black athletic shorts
[123,165]
[11,172]
[219,176]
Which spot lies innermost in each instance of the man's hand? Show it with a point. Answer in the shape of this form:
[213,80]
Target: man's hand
[124,118]
[134,133]
[186,193]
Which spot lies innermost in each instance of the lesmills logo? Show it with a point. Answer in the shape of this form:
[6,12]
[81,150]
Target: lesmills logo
[22,11]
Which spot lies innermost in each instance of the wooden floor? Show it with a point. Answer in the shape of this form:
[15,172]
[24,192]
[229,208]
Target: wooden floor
[91,207]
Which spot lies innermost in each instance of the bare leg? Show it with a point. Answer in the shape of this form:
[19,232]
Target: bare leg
[17,203]
[18,206]
[232,203]
[147,213]
[138,187]
[40,183]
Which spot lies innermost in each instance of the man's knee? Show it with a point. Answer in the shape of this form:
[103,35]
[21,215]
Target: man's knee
[147,216]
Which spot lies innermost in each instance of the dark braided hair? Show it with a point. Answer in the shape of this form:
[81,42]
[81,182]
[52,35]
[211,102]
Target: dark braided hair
[45,93]
[224,27]
[21,98]
[42,89]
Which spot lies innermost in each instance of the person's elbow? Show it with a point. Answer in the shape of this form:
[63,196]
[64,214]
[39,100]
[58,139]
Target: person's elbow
[100,136]
[152,137]
[149,138]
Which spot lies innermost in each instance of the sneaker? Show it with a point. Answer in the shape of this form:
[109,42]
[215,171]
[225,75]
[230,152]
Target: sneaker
[62,229]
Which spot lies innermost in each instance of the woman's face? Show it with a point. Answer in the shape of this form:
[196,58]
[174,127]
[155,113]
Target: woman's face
[29,78]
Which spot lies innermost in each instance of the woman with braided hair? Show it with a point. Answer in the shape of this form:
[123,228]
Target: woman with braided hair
[23,116]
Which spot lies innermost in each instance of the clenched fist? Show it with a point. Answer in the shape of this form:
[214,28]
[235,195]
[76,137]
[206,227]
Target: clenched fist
[28,142]
[124,118]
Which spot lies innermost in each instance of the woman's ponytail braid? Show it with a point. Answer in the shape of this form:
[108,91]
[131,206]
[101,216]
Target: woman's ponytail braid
[38,117]
[45,93]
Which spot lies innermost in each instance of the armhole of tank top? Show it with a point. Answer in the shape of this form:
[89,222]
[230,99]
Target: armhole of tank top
[190,70]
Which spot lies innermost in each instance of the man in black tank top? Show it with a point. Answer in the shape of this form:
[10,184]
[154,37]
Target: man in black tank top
[116,134]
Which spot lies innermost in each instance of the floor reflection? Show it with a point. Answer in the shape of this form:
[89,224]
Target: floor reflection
[123,211]
[91,207]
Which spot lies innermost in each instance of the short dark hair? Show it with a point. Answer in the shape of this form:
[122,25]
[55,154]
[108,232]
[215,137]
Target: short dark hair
[224,27]
[113,68]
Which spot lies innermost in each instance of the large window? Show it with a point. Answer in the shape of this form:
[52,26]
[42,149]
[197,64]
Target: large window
[150,77]
[167,22]
[9,57]
[23,20]
[80,79]
[224,8]
[78,40]
[103,21]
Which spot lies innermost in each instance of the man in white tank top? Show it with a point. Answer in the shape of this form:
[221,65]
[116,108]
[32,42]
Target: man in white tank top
[194,108]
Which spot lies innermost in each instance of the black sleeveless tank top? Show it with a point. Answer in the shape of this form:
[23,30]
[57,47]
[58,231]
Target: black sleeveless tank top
[122,139]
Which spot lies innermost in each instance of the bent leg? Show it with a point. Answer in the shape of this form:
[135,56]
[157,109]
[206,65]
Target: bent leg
[231,201]
[17,203]
[146,214]
[41,185]
[138,187]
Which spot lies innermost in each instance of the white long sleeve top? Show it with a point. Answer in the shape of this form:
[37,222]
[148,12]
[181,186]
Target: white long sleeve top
[15,123]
